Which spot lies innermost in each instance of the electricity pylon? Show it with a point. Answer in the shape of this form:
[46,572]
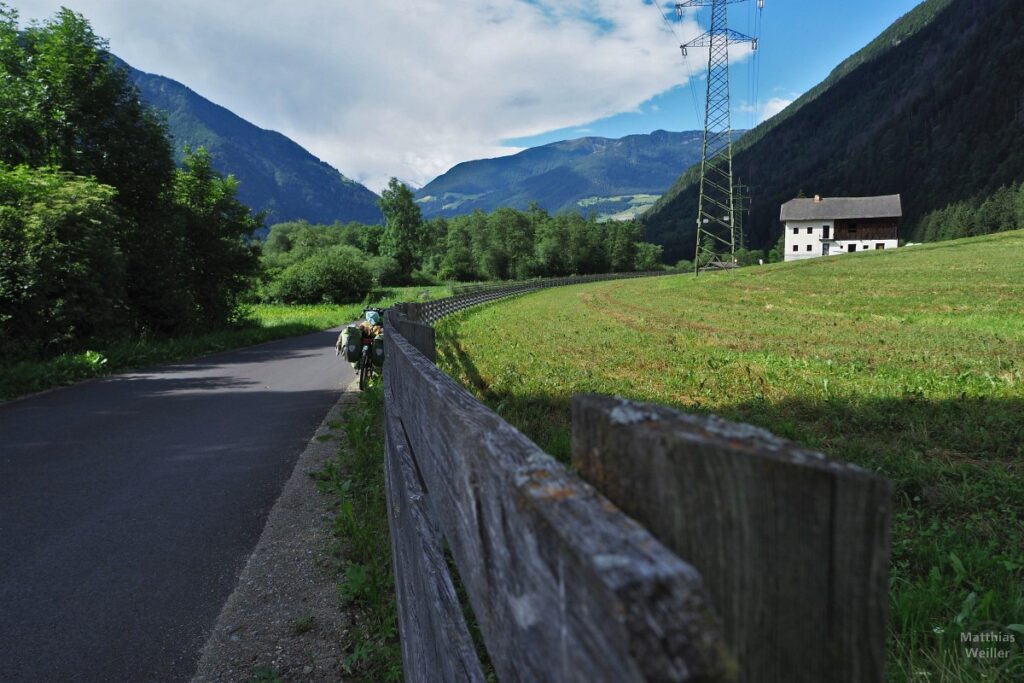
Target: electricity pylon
[716,212]
[743,201]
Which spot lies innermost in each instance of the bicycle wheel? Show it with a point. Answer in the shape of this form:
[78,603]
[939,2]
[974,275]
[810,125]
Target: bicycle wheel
[365,368]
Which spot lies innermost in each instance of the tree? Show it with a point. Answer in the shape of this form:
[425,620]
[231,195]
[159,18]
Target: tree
[164,249]
[457,263]
[648,256]
[622,238]
[586,245]
[18,132]
[62,277]
[403,226]
[213,225]
[777,254]
[551,247]
[370,237]
[66,104]
[79,111]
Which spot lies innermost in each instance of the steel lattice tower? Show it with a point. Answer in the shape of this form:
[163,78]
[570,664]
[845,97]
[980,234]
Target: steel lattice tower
[716,212]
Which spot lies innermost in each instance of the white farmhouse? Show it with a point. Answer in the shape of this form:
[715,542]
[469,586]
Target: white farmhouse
[823,226]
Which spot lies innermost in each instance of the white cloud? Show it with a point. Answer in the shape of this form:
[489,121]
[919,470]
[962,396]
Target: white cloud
[765,110]
[395,88]
[774,106]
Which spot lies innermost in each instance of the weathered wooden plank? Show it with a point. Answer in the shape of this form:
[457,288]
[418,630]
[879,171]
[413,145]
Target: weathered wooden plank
[419,334]
[563,585]
[793,547]
[436,645]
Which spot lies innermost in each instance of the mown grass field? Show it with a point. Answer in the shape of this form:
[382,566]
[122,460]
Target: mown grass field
[257,323]
[908,362]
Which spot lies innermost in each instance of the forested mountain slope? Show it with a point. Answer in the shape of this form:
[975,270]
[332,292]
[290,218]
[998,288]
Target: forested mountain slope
[274,172]
[932,109]
[608,176]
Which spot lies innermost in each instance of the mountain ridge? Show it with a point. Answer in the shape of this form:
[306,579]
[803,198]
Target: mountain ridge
[929,109]
[275,173]
[606,175]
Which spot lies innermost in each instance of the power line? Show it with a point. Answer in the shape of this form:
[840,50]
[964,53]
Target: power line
[689,77]
[716,210]
[664,17]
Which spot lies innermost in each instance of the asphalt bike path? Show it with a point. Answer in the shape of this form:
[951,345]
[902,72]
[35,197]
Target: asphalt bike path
[128,505]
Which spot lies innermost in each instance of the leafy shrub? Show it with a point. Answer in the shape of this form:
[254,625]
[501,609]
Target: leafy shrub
[339,275]
[749,257]
[648,256]
[61,274]
[386,271]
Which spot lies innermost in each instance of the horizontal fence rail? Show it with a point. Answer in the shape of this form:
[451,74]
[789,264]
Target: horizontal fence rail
[466,296]
[721,552]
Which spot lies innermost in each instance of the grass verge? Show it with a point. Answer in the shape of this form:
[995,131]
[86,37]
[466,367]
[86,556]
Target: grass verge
[258,324]
[356,479]
[907,362]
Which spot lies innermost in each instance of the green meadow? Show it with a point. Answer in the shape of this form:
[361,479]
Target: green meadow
[907,362]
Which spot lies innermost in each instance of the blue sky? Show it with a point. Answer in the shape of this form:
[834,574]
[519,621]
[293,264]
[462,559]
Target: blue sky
[800,43]
[392,88]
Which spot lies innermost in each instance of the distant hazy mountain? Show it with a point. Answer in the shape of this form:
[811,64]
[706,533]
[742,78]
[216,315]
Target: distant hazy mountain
[274,172]
[610,177]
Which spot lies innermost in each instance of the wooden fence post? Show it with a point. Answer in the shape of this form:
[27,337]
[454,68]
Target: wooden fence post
[793,547]
[564,586]
[420,335]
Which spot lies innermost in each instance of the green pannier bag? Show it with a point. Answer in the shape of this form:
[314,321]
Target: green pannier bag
[353,343]
[377,350]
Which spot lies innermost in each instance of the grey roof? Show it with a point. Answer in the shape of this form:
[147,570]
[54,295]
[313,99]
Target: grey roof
[830,208]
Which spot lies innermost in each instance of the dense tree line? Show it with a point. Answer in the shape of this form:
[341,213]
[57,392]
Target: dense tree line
[305,263]
[1004,210]
[101,235]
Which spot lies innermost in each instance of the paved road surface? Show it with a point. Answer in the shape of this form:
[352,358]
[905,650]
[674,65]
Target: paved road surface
[129,505]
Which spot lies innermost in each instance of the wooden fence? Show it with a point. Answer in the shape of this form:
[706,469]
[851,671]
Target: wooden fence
[700,550]
[476,294]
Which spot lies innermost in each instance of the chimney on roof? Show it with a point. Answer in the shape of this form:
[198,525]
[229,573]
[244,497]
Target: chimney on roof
[817,199]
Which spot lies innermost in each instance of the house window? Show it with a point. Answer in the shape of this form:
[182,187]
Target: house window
[810,231]
[794,247]
[808,247]
[796,231]
[880,245]
[824,232]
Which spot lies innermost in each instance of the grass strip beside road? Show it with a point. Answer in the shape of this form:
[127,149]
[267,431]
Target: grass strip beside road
[908,362]
[258,324]
[363,546]
[366,582]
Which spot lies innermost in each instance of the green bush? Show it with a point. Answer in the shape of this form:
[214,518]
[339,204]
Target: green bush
[62,277]
[386,271]
[749,257]
[648,256]
[338,275]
